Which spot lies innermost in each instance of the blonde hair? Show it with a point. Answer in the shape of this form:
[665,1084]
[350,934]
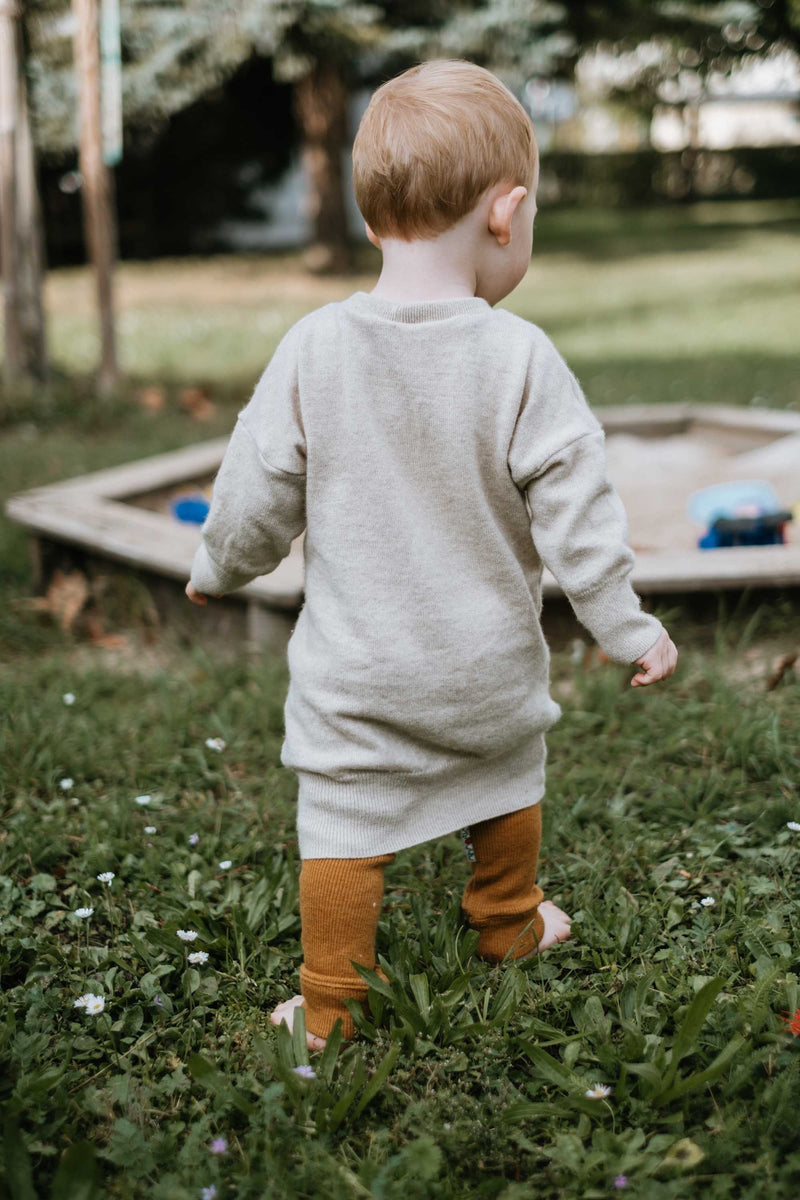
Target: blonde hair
[432,141]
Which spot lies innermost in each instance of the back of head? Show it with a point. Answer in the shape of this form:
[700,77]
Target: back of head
[432,141]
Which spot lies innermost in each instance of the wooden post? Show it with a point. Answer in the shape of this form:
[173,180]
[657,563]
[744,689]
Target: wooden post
[21,240]
[9,70]
[97,188]
[30,238]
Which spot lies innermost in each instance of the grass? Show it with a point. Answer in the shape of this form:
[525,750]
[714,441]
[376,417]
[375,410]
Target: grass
[467,1080]
[676,304]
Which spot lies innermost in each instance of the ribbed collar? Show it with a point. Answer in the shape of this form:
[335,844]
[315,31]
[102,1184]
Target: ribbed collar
[416,311]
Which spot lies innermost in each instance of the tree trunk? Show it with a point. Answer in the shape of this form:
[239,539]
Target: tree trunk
[97,187]
[22,254]
[320,103]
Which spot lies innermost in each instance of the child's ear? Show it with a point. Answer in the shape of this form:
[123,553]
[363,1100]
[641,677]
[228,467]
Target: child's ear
[502,212]
[376,241]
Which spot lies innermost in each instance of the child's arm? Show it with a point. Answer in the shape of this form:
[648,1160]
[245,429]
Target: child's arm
[258,504]
[578,522]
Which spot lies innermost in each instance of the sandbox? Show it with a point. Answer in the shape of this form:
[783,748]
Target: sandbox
[657,456]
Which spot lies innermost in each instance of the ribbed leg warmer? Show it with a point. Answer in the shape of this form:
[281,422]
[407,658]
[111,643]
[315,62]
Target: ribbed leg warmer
[502,898]
[340,901]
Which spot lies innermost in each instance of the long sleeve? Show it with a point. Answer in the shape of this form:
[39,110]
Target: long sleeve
[578,521]
[259,499]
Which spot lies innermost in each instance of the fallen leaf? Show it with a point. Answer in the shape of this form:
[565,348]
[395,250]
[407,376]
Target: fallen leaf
[98,636]
[151,399]
[64,598]
[197,403]
[784,663]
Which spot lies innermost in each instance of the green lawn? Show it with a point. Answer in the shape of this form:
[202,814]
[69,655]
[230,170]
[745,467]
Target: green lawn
[468,1081]
[697,304]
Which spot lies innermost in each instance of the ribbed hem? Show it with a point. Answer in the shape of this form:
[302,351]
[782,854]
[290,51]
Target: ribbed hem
[379,812]
[413,312]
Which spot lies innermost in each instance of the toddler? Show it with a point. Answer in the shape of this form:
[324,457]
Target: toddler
[436,451]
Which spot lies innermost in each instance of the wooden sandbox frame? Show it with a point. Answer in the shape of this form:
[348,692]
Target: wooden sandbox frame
[94,518]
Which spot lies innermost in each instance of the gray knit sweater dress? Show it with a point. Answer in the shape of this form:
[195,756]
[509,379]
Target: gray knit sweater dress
[436,453]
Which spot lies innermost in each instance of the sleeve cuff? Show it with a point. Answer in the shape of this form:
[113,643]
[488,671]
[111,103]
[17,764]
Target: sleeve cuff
[209,578]
[613,615]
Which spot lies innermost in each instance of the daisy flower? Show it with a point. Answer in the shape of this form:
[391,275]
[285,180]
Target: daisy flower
[226,864]
[83,912]
[143,800]
[304,1071]
[208,1193]
[149,828]
[66,784]
[93,1004]
[199,957]
[106,877]
[187,935]
[219,1146]
[598,1092]
[216,743]
[707,901]
[794,826]
[68,698]
[194,838]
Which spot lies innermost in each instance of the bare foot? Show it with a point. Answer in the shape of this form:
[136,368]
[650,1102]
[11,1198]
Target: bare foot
[285,1013]
[556,928]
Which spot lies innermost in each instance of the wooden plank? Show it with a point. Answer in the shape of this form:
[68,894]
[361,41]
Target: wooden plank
[146,474]
[705,570]
[759,420]
[147,540]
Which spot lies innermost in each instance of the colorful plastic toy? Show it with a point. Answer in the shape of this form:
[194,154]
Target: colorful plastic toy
[740,513]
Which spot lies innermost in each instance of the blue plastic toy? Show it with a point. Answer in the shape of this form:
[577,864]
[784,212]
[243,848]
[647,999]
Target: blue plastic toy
[191,509]
[740,513]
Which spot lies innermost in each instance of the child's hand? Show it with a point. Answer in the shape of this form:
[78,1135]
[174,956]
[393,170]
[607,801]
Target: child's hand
[659,662]
[195,596]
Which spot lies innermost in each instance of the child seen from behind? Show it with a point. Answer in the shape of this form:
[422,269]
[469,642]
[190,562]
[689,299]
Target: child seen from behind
[437,451]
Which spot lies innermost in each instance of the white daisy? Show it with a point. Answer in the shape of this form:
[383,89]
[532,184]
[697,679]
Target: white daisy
[194,838]
[149,828]
[199,957]
[794,826]
[598,1092]
[68,698]
[66,784]
[93,1004]
[143,800]
[304,1071]
[187,935]
[216,743]
[208,1193]
[226,864]
[83,912]
[106,877]
[707,901]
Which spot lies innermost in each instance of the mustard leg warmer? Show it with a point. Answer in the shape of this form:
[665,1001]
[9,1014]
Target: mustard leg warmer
[340,902]
[502,898]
